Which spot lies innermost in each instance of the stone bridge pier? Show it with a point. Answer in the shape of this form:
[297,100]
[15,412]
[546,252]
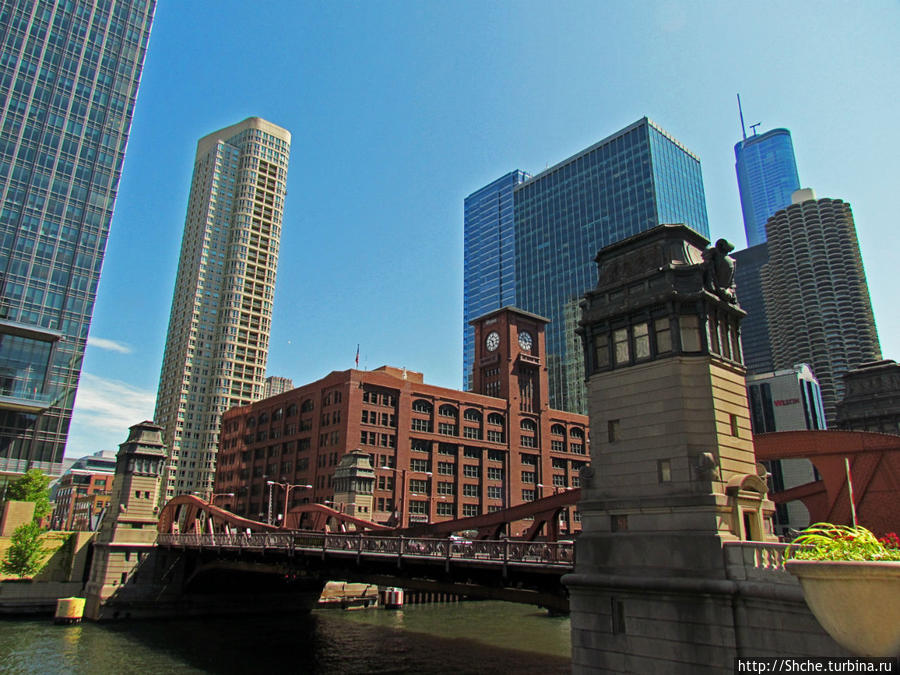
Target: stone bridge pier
[674,486]
[171,582]
[131,577]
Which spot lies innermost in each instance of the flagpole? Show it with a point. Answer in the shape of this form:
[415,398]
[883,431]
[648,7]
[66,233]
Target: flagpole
[850,491]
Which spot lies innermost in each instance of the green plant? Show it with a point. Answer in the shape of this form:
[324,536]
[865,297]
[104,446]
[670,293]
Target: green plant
[24,558]
[824,541]
[32,487]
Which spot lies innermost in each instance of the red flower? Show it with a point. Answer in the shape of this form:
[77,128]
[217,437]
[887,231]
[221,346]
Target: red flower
[890,540]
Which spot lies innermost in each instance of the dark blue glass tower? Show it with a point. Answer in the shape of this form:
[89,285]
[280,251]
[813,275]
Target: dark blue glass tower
[627,183]
[755,339]
[69,74]
[767,175]
[489,276]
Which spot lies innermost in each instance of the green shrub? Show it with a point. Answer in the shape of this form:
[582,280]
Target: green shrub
[25,557]
[32,487]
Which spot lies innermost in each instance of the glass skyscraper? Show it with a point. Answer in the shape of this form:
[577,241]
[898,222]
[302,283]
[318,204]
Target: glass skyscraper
[755,339]
[489,276]
[217,345]
[629,182]
[69,74]
[767,175]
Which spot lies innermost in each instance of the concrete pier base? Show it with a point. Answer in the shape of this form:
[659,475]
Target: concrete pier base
[684,625]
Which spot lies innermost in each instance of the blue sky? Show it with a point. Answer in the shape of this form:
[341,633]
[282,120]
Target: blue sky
[399,110]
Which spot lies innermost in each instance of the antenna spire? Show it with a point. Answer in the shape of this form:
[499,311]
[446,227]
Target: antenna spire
[741,112]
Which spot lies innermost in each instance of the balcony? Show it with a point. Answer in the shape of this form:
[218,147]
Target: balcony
[30,331]
[27,350]
[30,403]
[530,359]
[31,406]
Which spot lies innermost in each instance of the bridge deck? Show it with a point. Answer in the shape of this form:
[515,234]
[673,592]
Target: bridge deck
[555,557]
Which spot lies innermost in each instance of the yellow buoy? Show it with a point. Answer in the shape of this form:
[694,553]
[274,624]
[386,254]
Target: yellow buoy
[69,610]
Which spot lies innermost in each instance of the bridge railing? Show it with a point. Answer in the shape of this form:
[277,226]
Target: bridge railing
[756,561]
[505,551]
[225,540]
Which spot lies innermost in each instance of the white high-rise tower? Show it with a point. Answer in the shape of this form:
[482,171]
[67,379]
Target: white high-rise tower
[816,294]
[218,339]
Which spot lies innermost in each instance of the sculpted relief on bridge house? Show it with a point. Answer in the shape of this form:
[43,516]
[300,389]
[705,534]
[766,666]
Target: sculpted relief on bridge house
[718,267]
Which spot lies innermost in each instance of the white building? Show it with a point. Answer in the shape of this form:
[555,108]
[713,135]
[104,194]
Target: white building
[218,338]
[787,400]
[277,385]
[816,295]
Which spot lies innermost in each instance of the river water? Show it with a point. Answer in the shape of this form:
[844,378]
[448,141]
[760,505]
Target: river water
[468,637]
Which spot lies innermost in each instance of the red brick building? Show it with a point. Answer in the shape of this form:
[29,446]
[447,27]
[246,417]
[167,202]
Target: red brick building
[75,484]
[438,453]
[87,510]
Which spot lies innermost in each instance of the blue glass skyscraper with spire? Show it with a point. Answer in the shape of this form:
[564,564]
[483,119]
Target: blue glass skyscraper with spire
[767,176]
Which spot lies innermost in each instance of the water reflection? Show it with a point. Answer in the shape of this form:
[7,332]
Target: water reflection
[482,637]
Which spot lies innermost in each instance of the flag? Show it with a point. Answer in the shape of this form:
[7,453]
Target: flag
[357,356]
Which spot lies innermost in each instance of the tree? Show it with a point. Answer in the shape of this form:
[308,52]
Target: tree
[32,487]
[25,556]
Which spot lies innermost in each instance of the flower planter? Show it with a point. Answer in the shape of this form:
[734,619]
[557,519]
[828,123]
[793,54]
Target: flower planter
[856,602]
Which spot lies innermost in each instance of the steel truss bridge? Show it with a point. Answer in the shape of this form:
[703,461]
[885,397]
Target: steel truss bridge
[517,570]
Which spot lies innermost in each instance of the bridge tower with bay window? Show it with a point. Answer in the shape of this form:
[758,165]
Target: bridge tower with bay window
[673,473]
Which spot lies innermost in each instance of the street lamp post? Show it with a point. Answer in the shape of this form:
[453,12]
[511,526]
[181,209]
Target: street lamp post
[287,493]
[269,510]
[404,516]
[212,497]
[556,488]
[338,505]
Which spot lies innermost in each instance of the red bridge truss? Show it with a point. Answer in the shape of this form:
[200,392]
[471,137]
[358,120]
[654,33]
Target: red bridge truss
[491,525]
[190,514]
[187,513]
[874,461]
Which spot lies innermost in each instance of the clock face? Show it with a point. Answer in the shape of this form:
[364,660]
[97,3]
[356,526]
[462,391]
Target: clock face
[492,341]
[525,340]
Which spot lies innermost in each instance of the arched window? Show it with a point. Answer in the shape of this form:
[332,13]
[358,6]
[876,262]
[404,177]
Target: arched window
[496,419]
[528,425]
[307,405]
[577,433]
[292,410]
[447,411]
[278,414]
[558,430]
[422,406]
[251,422]
[472,415]
[263,418]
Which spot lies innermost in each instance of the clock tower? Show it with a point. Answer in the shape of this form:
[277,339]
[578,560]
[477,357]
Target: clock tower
[510,359]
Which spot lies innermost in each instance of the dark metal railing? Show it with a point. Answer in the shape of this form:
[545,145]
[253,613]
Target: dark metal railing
[547,554]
